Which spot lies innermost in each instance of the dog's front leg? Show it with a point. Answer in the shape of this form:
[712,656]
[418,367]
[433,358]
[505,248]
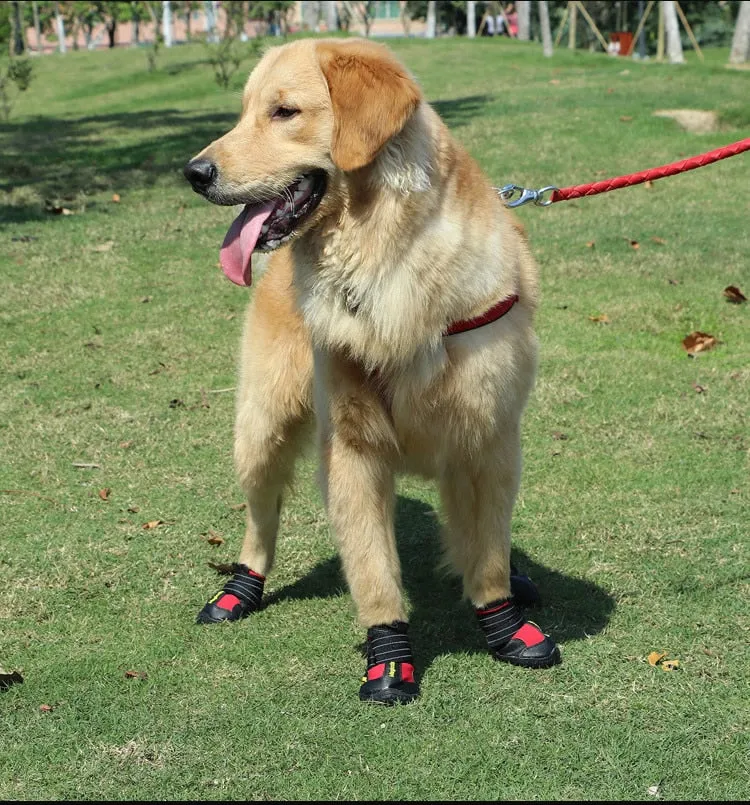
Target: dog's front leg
[358,452]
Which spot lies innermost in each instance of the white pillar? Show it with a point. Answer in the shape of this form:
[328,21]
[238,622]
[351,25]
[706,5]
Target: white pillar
[523,7]
[741,39]
[545,26]
[672,27]
[431,20]
[471,19]
[60,29]
[166,23]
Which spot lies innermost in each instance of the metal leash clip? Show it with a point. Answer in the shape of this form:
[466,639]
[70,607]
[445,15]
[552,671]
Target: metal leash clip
[524,195]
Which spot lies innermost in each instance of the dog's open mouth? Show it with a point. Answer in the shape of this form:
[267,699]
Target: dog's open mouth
[265,225]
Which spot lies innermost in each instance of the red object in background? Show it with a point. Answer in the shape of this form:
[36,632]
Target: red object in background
[620,43]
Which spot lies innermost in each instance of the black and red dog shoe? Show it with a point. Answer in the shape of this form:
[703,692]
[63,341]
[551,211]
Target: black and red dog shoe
[511,638]
[240,596]
[389,678]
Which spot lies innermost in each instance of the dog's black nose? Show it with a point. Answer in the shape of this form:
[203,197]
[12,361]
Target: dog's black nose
[200,173]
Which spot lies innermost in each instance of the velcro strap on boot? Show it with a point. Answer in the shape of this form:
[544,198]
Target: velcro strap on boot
[500,620]
[388,643]
[247,585]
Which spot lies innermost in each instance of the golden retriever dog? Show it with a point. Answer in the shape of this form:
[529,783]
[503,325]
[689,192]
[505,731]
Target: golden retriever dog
[396,315]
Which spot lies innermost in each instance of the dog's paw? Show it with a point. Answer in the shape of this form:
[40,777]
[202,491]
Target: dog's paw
[237,599]
[511,638]
[389,683]
[389,678]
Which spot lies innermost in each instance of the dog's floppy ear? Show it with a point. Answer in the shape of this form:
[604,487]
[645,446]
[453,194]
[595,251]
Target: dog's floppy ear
[372,96]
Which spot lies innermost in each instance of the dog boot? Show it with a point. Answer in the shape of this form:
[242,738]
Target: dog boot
[240,596]
[511,638]
[523,589]
[389,678]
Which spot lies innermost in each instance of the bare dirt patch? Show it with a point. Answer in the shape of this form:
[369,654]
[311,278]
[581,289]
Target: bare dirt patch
[697,121]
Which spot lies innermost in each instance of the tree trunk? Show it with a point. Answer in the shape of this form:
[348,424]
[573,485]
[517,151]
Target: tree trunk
[112,32]
[431,20]
[18,46]
[672,28]
[471,19]
[37,27]
[546,32]
[523,7]
[572,25]
[741,39]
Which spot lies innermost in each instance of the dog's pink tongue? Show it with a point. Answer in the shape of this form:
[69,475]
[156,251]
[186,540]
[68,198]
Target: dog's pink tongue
[237,249]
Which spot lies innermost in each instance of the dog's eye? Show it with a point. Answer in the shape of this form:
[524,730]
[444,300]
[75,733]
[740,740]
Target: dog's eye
[284,112]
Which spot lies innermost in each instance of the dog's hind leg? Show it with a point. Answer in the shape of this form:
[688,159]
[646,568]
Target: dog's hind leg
[478,496]
[273,420]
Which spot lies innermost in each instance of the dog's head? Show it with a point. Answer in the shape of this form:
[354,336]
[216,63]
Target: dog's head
[311,110]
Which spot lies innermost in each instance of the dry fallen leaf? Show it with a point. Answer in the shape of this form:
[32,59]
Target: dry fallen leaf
[590,244]
[734,295]
[653,790]
[698,342]
[659,241]
[59,210]
[104,493]
[214,538]
[648,184]
[673,282]
[238,507]
[127,444]
[152,524]
[554,81]
[134,509]
[699,389]
[104,247]
[655,657]
[222,568]
[670,665]
[136,675]
[45,708]
[116,198]
[602,319]
[626,118]
[559,436]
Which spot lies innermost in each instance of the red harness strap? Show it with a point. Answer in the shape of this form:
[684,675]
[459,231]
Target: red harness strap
[493,314]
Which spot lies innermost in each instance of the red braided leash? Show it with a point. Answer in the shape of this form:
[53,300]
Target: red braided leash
[683,165]
[525,195]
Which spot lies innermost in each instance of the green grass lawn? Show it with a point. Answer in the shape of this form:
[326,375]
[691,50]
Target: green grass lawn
[120,343]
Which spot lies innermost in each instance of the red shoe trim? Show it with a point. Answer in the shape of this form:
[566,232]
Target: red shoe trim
[407,672]
[529,634]
[376,671]
[228,602]
[256,575]
[494,609]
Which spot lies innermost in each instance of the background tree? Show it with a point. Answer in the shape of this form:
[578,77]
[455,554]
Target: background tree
[523,7]
[672,27]
[16,71]
[545,27]
[741,39]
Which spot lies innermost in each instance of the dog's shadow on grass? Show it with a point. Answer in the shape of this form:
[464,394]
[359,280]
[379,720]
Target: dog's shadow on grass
[440,621]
